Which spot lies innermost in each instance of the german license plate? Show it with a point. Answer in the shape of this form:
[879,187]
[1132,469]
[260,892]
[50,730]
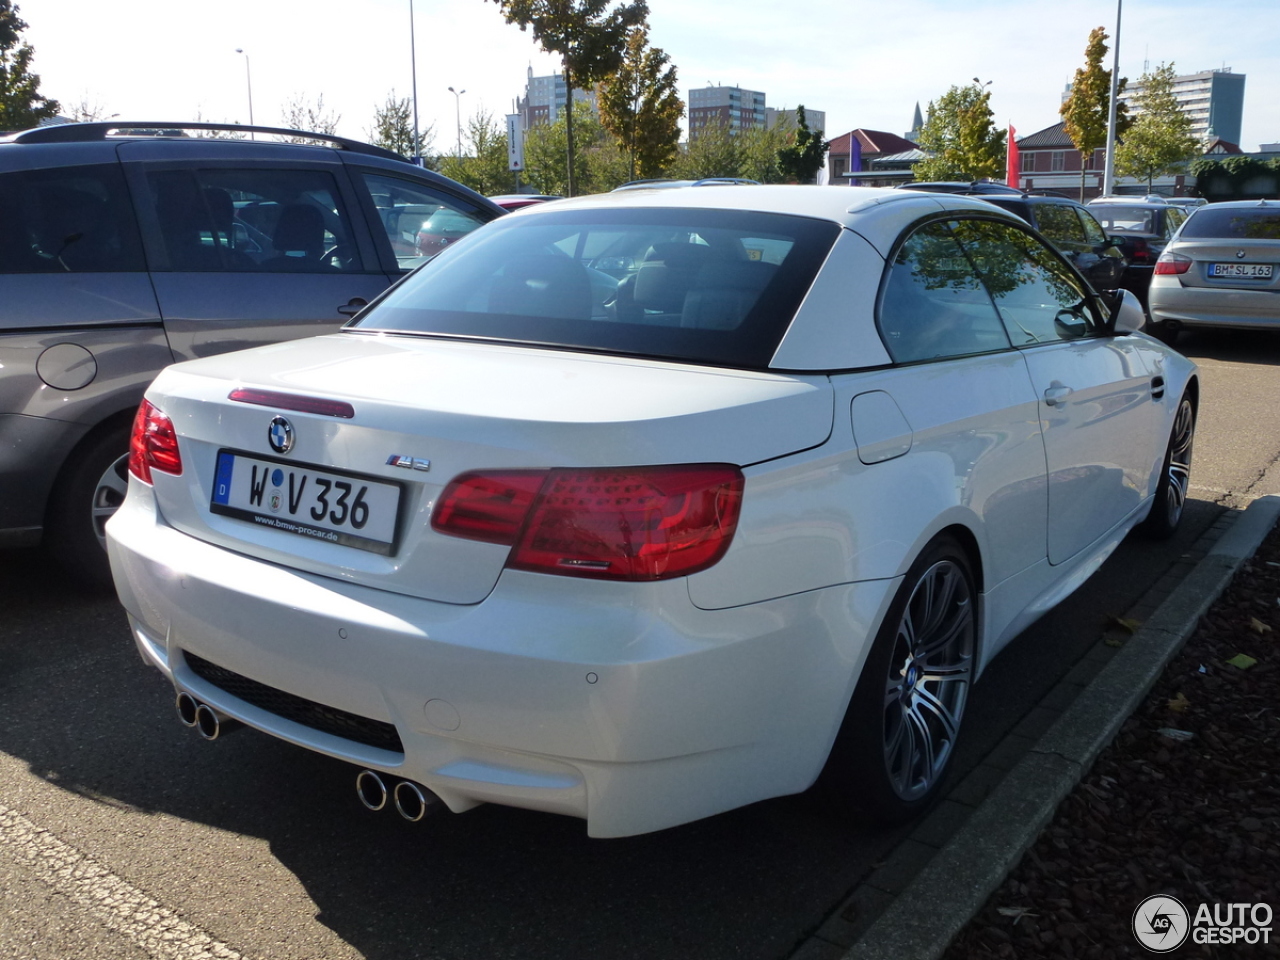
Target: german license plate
[1250,271]
[325,505]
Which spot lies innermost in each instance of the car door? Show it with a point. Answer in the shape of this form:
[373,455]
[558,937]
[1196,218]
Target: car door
[958,399]
[1097,395]
[250,250]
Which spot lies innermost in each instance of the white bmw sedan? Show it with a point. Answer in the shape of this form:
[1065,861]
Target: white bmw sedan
[645,506]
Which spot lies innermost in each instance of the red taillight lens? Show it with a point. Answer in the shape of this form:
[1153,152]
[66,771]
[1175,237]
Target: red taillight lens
[153,445]
[487,506]
[1171,264]
[626,523]
[1139,251]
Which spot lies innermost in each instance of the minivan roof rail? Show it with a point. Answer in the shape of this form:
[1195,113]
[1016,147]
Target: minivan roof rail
[87,132]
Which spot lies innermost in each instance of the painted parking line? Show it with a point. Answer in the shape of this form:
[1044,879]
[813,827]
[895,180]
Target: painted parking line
[112,901]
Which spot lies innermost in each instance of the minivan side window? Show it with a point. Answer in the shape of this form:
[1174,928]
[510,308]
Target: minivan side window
[68,220]
[933,304]
[252,221]
[1039,299]
[419,221]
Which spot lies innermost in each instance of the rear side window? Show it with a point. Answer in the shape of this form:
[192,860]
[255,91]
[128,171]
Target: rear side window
[707,286]
[1092,229]
[1060,224]
[933,304]
[1233,223]
[68,220]
[252,221]
[419,221]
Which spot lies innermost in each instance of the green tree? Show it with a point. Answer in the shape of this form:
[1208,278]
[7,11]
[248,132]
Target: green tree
[1159,141]
[21,104]
[759,152]
[599,165]
[485,166]
[714,152]
[805,154]
[1085,112]
[302,114]
[589,38]
[641,108]
[960,135]
[393,128]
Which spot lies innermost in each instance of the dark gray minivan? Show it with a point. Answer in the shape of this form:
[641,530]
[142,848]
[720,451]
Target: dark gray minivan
[126,247]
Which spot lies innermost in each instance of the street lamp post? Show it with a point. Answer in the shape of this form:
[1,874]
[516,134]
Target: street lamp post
[413,57]
[1109,165]
[248,79]
[457,102]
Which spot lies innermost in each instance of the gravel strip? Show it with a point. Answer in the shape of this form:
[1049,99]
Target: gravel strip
[1185,802]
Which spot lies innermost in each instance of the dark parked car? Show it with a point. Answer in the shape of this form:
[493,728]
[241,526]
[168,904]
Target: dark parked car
[1068,225]
[126,247]
[1142,226]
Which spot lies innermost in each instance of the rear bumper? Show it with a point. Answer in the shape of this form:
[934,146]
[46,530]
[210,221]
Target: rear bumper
[623,704]
[1213,306]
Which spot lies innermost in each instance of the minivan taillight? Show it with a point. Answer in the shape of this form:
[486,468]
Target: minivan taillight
[1171,264]
[620,523]
[154,444]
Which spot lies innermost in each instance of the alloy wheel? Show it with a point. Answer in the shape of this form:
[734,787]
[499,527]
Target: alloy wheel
[108,494]
[928,679]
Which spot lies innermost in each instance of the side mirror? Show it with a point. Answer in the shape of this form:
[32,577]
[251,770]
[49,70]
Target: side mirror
[1127,315]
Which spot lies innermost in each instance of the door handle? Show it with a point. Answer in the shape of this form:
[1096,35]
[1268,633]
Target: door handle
[353,306]
[1157,388]
[1055,394]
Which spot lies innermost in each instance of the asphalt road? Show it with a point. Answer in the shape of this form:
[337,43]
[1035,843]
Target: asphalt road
[123,835]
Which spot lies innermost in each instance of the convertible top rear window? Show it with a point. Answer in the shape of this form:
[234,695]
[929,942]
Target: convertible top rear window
[704,286]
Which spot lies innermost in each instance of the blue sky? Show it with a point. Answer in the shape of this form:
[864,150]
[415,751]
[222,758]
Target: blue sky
[864,63]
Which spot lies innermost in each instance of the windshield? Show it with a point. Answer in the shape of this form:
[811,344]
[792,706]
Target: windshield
[706,286]
[1117,218]
[1255,223]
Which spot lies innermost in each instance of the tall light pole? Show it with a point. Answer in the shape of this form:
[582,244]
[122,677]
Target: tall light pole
[457,102]
[1109,165]
[413,58]
[248,79]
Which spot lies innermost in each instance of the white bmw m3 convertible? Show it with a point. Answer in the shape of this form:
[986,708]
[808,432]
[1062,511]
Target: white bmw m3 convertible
[645,506]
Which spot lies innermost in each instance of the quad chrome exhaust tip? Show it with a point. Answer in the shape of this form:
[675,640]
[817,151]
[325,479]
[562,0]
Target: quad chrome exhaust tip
[411,800]
[203,718]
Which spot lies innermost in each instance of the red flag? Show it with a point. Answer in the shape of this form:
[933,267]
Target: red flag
[1012,170]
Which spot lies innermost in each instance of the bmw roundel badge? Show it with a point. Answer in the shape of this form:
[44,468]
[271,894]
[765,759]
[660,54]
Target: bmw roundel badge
[280,435]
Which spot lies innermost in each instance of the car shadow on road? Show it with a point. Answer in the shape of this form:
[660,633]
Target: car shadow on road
[83,712]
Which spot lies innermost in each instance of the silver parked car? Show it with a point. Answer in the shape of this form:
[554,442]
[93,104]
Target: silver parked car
[1221,270]
[126,247]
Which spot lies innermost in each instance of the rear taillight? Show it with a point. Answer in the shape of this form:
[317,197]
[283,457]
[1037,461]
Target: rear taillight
[1171,264]
[624,523]
[153,445]
[1140,251]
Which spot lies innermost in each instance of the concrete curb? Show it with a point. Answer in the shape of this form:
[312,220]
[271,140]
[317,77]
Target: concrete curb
[920,923]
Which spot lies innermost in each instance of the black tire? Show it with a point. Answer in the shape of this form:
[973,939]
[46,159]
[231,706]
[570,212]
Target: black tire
[88,493]
[1166,332]
[899,734]
[1170,497]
